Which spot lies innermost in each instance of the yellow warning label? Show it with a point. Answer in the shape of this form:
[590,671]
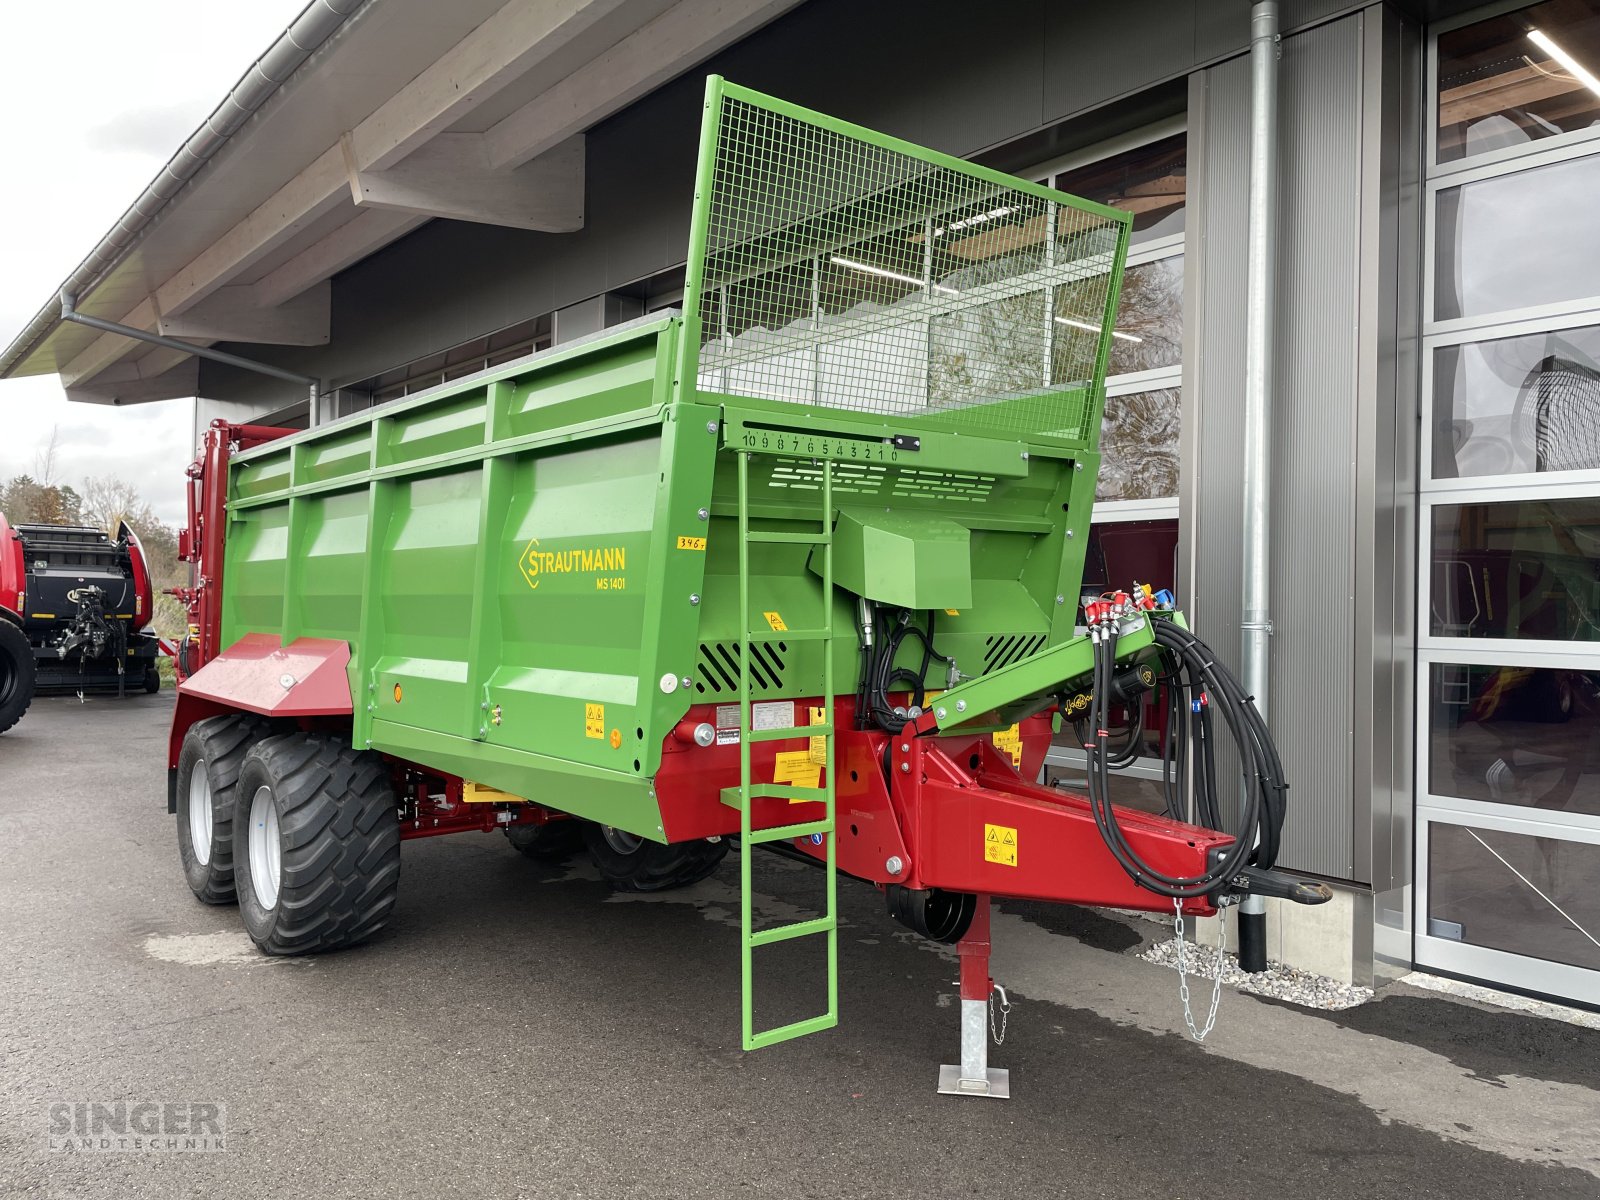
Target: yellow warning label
[818,748]
[616,739]
[952,612]
[691,543]
[594,720]
[1000,845]
[775,621]
[1009,741]
[796,767]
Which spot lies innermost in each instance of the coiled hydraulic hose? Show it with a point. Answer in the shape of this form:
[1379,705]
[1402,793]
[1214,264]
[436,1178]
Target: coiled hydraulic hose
[1195,678]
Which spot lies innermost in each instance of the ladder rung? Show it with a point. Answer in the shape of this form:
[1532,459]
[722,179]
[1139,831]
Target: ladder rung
[798,1029]
[782,933]
[819,538]
[792,731]
[790,635]
[733,797]
[784,833]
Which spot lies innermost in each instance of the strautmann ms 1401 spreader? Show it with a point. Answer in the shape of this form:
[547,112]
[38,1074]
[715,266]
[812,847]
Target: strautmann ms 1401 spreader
[797,567]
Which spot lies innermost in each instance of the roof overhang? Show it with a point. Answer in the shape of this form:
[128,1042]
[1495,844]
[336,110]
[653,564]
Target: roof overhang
[407,110]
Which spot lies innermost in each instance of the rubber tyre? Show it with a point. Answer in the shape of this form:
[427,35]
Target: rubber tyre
[338,836]
[650,866]
[216,746]
[152,681]
[17,670]
[552,842]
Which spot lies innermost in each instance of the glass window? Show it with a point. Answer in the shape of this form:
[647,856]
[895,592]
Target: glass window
[1518,404]
[1517,569]
[1515,735]
[1151,182]
[1149,329]
[1139,446]
[1515,892]
[1519,78]
[1518,240]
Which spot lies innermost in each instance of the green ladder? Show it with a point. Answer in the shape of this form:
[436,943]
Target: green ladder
[748,790]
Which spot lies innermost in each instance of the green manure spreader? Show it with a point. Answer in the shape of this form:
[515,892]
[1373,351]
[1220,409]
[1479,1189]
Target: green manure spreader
[797,567]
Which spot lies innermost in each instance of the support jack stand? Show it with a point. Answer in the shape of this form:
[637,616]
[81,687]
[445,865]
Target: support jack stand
[974,1076]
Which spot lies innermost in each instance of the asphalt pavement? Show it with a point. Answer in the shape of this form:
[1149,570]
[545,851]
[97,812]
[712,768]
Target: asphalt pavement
[519,1031]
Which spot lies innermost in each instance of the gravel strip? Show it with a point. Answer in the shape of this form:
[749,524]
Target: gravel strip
[1278,981]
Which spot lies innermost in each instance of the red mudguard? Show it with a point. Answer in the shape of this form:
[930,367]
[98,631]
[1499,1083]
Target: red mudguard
[258,674]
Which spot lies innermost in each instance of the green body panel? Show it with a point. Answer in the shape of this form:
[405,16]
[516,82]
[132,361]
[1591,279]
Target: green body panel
[913,560]
[539,561]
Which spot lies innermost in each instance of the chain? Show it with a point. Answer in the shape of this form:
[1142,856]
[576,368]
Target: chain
[1199,1035]
[1005,1011]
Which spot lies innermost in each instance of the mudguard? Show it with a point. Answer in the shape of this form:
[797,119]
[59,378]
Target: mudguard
[259,674]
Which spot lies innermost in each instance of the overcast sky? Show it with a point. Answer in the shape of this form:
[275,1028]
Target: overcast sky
[95,96]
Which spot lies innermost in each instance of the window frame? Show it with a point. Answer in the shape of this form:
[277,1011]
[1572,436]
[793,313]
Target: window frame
[1488,158]
[1429,950]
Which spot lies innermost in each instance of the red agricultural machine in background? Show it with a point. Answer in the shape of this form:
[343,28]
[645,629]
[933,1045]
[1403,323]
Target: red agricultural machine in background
[75,606]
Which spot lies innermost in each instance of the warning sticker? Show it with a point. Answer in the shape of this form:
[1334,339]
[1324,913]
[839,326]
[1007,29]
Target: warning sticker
[727,724]
[1000,845]
[691,543]
[594,720]
[796,767]
[776,621]
[818,749]
[1009,741]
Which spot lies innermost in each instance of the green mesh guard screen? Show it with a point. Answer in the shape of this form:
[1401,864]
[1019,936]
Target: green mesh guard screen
[842,269]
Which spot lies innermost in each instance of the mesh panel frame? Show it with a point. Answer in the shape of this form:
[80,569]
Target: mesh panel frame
[833,267]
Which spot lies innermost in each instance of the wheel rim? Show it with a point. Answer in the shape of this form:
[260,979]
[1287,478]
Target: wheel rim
[266,854]
[620,841]
[200,815]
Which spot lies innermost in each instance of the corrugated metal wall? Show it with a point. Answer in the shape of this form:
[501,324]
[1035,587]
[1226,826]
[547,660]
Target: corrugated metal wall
[1314,412]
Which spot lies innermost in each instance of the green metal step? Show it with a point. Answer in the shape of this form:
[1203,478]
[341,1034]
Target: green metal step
[791,731]
[734,797]
[787,833]
[819,538]
[784,1033]
[784,933]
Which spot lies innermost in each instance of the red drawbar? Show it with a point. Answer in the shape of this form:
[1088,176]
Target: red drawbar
[959,813]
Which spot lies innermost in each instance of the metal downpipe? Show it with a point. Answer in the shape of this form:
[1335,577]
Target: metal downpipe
[1260,309]
[69,312]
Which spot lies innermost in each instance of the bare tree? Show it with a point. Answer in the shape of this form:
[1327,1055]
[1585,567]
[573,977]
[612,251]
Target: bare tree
[109,501]
[44,461]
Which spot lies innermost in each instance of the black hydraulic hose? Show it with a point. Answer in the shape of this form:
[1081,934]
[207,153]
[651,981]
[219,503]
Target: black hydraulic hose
[880,675]
[1206,685]
[1263,767]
